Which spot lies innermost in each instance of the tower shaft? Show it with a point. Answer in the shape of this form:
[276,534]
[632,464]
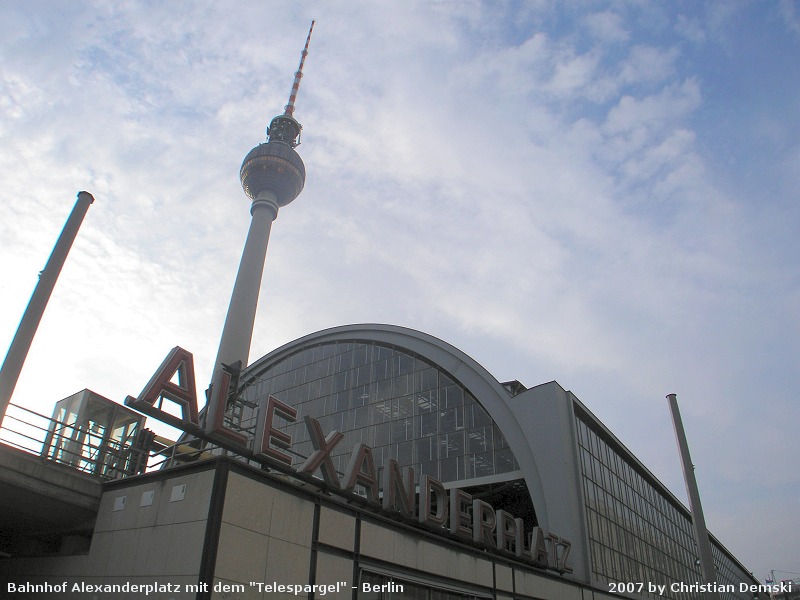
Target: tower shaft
[237,333]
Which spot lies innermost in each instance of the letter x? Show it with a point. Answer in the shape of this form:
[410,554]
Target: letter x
[321,457]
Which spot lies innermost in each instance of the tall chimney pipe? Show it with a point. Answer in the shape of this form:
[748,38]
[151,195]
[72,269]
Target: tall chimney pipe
[21,344]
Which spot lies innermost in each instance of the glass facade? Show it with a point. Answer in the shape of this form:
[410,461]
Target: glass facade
[400,405]
[637,534]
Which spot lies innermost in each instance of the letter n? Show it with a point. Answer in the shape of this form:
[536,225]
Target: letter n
[161,387]
[397,495]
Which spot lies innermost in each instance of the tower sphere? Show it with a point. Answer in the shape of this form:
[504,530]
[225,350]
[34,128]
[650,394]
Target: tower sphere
[273,167]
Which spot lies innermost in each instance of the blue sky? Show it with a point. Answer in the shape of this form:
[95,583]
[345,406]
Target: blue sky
[598,193]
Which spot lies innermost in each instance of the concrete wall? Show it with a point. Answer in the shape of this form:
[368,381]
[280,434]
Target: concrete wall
[154,530]
[237,527]
[148,530]
[265,536]
[273,532]
[40,497]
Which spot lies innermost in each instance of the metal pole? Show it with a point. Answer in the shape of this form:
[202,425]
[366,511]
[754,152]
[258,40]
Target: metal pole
[707,568]
[18,351]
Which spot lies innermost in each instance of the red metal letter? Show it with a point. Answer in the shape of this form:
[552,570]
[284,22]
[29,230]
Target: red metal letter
[219,402]
[431,488]
[321,457]
[279,438]
[160,388]
[361,471]
[397,495]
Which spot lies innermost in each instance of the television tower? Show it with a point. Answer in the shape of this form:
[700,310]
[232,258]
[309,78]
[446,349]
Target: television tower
[272,176]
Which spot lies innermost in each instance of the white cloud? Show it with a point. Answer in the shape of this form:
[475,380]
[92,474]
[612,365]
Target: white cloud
[674,102]
[545,200]
[646,64]
[788,12]
[607,26]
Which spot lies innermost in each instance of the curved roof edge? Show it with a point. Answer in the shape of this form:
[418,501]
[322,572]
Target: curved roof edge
[482,384]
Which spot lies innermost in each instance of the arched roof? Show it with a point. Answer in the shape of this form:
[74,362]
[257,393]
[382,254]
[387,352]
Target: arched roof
[486,388]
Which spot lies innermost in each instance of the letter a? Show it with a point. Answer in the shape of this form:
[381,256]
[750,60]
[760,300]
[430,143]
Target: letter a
[160,388]
[361,471]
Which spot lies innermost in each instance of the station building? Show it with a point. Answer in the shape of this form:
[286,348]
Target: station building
[377,462]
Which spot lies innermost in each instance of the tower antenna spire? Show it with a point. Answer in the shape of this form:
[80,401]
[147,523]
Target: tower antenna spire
[285,128]
[289,109]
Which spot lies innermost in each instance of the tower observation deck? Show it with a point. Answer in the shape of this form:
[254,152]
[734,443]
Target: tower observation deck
[274,167]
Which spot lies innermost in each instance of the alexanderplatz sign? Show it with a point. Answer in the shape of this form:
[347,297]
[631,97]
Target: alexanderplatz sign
[458,512]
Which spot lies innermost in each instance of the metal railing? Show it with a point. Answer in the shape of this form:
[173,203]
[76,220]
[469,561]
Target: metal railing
[24,429]
[66,444]
[55,441]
